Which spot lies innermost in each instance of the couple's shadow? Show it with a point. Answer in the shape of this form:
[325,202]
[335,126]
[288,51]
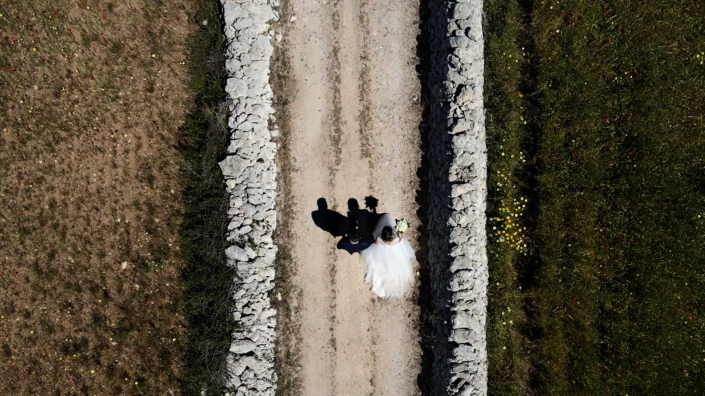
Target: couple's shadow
[337,224]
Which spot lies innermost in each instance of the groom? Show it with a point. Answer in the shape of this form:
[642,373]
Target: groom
[353,241]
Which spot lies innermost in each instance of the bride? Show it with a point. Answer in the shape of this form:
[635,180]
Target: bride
[387,262]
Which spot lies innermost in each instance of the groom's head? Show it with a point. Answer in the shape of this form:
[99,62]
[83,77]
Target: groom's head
[355,236]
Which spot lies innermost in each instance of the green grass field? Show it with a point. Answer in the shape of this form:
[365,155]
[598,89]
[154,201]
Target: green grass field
[595,117]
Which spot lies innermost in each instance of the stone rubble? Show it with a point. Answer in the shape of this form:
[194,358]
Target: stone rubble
[457,194]
[250,177]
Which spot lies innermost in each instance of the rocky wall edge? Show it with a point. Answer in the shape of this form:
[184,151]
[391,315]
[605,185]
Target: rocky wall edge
[458,191]
[250,178]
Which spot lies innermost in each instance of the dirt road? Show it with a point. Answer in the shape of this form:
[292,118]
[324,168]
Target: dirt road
[352,132]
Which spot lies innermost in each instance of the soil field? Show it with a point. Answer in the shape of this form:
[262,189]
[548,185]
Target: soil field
[348,93]
[92,96]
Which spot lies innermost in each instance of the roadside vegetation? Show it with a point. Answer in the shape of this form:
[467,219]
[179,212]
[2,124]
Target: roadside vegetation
[91,102]
[604,102]
[207,277]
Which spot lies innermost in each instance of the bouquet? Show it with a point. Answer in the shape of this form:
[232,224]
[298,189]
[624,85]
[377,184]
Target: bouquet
[402,226]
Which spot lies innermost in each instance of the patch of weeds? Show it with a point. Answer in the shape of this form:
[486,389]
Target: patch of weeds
[137,204]
[37,269]
[47,326]
[98,320]
[143,266]
[116,47]
[106,295]
[122,331]
[207,277]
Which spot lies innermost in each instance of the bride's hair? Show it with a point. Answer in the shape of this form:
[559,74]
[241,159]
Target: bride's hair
[387,234]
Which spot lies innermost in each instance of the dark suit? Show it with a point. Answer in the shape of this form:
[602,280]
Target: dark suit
[345,244]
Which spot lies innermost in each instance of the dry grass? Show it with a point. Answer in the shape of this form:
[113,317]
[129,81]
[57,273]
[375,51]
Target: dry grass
[92,96]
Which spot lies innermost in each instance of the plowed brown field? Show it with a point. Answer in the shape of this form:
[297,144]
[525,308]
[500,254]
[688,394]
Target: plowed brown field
[91,99]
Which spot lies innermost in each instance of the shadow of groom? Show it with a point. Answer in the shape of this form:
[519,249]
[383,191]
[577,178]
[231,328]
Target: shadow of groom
[337,225]
[328,220]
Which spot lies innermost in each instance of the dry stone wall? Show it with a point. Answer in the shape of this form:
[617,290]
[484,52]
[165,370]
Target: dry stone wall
[458,189]
[250,177]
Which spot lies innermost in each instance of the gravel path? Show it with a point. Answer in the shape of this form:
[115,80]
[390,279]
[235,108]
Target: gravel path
[352,132]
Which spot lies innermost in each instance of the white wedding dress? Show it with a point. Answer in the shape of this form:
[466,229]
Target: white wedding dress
[389,273]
